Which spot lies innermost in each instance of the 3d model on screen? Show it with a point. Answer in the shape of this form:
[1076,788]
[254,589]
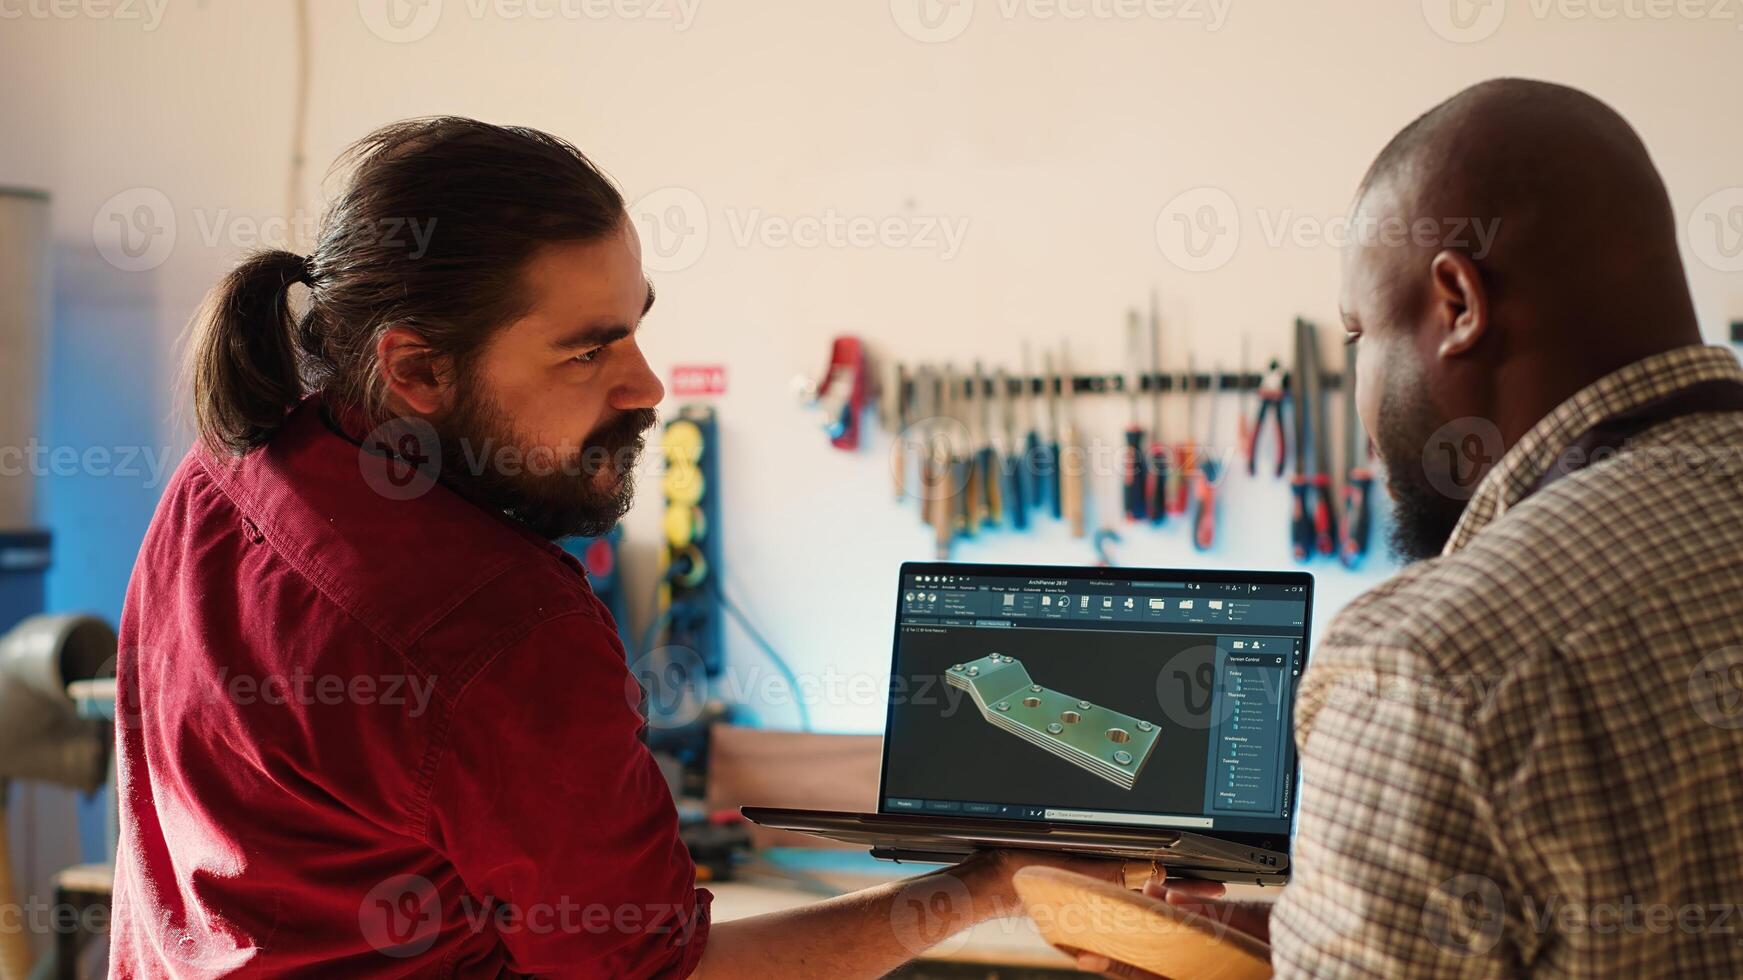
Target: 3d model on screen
[1110,744]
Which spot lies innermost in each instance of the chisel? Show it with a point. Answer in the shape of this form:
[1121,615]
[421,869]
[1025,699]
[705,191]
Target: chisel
[1360,479]
[1134,465]
[1013,477]
[1207,472]
[1156,473]
[1039,482]
[1071,476]
[1047,460]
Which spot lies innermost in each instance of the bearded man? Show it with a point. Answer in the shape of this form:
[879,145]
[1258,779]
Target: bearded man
[374,722]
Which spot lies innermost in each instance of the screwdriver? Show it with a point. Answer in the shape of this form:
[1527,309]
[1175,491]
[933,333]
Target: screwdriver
[1360,479]
[1047,460]
[1300,517]
[988,507]
[1013,477]
[1179,480]
[1156,474]
[1133,464]
[1207,472]
[1325,516]
[1071,484]
[1037,479]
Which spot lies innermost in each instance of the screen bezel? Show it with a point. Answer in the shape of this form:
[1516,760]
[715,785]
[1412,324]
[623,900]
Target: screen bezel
[1272,842]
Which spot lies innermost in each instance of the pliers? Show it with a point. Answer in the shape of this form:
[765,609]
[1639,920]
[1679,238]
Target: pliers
[1271,395]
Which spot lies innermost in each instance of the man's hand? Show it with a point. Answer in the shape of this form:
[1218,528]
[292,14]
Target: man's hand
[1202,897]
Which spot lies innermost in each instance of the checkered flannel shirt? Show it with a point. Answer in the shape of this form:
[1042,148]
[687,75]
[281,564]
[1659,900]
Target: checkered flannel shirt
[1525,757]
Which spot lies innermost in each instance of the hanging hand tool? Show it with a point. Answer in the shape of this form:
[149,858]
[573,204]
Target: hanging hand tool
[893,408]
[1185,452]
[1360,479]
[1071,468]
[936,496]
[1156,473]
[1134,466]
[1048,461]
[1300,513]
[1013,479]
[1206,474]
[1039,482]
[1271,395]
[1244,430]
[986,501]
[960,491]
[1325,520]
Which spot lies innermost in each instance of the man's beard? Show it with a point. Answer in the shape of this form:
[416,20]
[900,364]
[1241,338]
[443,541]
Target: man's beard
[1423,517]
[550,490]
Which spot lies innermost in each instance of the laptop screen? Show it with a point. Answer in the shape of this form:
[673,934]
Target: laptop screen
[1096,696]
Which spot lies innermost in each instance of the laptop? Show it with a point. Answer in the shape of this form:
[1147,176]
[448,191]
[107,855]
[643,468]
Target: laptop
[1142,714]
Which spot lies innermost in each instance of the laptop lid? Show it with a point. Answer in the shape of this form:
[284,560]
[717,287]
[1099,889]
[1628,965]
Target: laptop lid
[1100,697]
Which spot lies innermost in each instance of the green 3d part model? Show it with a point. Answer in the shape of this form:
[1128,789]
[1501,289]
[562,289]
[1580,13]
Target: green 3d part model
[1110,744]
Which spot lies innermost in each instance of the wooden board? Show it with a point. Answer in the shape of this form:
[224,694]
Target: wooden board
[1074,912]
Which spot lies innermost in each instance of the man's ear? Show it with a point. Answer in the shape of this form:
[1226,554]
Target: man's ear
[1457,303]
[416,376]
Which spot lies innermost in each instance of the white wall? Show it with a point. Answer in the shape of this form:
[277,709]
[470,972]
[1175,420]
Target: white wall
[1058,141]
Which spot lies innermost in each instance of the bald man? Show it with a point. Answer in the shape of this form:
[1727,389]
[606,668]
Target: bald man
[1523,756]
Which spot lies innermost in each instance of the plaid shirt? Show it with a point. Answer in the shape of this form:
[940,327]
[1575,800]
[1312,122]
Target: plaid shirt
[1525,757]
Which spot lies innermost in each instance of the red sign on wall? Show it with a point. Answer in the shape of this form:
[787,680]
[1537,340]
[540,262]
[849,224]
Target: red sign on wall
[690,380]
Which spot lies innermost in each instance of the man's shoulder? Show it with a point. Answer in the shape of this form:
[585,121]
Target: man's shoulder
[1589,548]
[421,567]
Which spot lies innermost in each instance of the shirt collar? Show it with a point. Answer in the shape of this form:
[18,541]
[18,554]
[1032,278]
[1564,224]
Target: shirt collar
[1520,469]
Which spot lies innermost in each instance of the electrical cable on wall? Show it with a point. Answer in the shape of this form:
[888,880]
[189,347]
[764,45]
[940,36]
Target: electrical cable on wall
[299,113]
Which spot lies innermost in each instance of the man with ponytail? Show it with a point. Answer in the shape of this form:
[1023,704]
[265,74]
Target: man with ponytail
[373,721]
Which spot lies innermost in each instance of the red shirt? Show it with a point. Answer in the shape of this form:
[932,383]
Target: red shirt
[373,734]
